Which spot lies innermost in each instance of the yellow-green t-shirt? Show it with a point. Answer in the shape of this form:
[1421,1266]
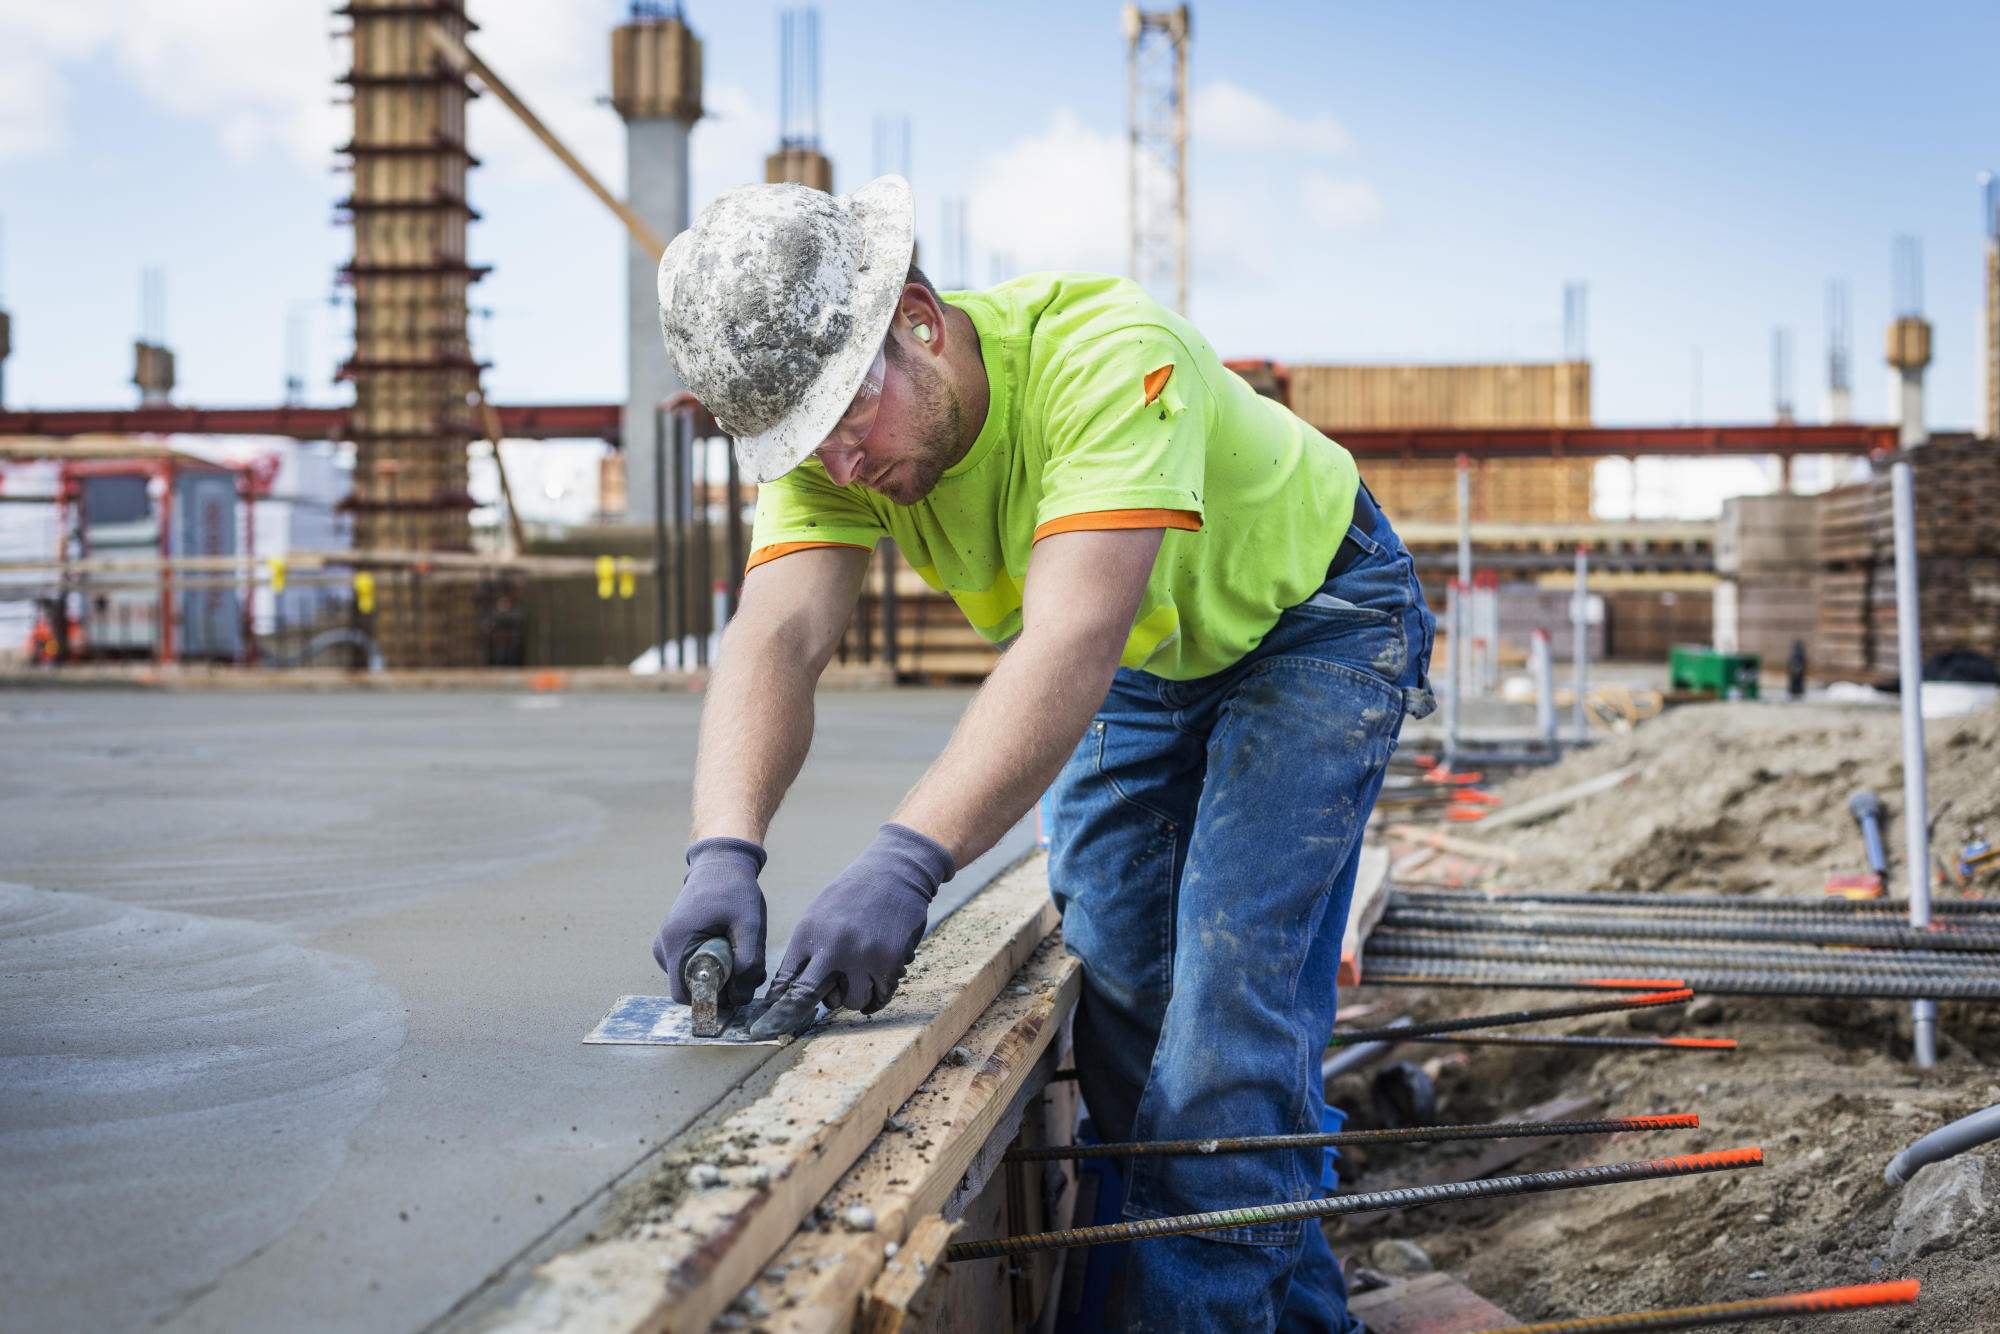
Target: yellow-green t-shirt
[1106,410]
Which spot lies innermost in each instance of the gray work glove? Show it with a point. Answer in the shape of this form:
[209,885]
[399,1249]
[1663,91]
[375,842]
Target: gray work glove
[859,934]
[719,897]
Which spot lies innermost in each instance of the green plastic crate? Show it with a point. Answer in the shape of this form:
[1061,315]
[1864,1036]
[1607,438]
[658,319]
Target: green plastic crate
[1727,675]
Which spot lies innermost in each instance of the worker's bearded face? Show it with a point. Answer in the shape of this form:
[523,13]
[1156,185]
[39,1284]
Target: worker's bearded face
[916,436]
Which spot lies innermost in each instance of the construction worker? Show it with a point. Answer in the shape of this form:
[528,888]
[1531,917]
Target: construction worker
[1213,639]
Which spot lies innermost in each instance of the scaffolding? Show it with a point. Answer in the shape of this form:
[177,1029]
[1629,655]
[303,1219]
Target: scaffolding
[412,368]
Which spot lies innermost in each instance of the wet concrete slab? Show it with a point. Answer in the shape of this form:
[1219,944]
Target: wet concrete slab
[293,988]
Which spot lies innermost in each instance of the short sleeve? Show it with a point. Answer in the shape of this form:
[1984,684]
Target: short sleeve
[805,509]
[1127,425]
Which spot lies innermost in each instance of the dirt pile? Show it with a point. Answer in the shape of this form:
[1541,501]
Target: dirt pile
[1751,799]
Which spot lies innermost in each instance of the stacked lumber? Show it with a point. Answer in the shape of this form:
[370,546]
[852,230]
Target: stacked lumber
[1332,397]
[1844,643]
[934,643]
[1958,607]
[1955,484]
[1643,624]
[1767,547]
[1503,490]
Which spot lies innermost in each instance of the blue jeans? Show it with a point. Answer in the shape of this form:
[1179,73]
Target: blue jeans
[1203,852]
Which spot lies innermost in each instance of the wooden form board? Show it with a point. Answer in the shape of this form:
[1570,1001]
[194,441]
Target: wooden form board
[787,1136]
[1364,910]
[1427,1304]
[933,1161]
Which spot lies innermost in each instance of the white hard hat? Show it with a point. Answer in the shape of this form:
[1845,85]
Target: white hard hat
[774,304]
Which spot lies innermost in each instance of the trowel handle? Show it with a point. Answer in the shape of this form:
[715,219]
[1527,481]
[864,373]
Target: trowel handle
[712,962]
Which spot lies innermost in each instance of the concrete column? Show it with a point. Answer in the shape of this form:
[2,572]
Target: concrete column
[656,90]
[656,186]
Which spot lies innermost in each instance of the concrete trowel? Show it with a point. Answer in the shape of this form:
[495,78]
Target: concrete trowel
[709,1021]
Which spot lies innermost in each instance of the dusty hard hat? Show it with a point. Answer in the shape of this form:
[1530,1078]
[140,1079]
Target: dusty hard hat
[774,304]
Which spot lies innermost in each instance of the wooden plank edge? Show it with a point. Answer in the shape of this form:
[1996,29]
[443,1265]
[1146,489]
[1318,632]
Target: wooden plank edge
[684,1251]
[1364,910]
[930,1162]
[896,1294]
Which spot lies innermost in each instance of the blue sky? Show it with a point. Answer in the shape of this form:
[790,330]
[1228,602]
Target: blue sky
[1440,170]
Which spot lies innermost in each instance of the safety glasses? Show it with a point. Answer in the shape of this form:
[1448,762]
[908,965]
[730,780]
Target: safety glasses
[859,419]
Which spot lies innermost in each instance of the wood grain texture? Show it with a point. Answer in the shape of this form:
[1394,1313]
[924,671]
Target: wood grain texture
[733,1189]
[927,1161]
[897,1292]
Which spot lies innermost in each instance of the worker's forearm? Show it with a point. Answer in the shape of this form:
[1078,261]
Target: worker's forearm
[1011,743]
[756,727]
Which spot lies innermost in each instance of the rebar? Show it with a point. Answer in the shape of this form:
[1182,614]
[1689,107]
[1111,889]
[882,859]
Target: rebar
[1598,952]
[1824,1301]
[1173,1148]
[1380,970]
[1896,908]
[1878,936]
[1573,1040]
[1407,1197]
[1401,1032]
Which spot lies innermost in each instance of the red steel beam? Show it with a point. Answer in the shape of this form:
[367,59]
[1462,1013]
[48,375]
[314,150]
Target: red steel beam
[553,421]
[1614,441]
[600,421]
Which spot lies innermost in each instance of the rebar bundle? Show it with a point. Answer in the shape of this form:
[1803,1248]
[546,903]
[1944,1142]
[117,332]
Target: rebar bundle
[1824,1301]
[1869,933]
[1399,970]
[1898,909]
[1407,1197]
[1168,1148]
[1600,952]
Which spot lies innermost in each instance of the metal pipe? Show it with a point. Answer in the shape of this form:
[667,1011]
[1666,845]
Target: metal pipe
[1825,933]
[1580,619]
[660,533]
[1391,972]
[1968,1132]
[1169,1148]
[1452,609]
[1823,1301]
[1407,1197]
[1337,1063]
[1461,653]
[1542,662]
[1680,996]
[1916,804]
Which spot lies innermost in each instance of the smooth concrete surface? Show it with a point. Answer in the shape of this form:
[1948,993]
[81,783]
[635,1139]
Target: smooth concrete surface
[292,988]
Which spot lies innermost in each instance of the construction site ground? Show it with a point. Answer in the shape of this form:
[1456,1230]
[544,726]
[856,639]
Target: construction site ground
[1746,799]
[293,986]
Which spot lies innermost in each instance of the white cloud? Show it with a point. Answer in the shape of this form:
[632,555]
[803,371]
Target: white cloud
[556,56]
[262,73]
[1340,204]
[1053,200]
[729,143]
[1227,116]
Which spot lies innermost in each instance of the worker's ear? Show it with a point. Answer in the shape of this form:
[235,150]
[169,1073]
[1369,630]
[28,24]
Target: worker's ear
[920,315]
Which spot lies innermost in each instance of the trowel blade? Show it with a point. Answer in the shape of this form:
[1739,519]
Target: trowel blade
[658,1021]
